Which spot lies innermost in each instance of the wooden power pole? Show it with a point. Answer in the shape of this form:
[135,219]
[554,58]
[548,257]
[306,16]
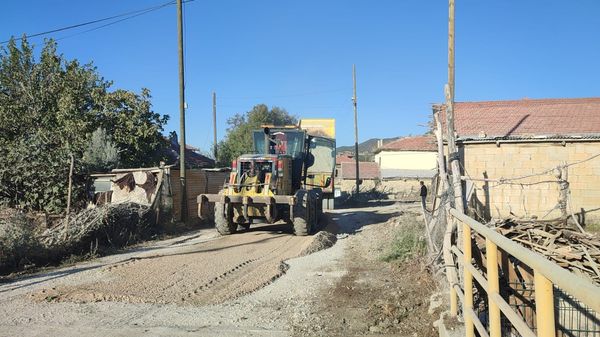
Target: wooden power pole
[355,128]
[182,175]
[453,156]
[215,125]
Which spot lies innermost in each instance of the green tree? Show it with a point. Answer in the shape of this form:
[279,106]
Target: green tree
[49,109]
[239,133]
[101,153]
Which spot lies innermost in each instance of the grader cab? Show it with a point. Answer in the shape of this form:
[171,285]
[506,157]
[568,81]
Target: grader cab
[290,178]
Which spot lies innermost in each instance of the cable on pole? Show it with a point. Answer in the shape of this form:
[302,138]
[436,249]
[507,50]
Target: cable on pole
[123,16]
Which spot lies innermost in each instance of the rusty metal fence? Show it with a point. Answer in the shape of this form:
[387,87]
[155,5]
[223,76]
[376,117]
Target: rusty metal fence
[548,300]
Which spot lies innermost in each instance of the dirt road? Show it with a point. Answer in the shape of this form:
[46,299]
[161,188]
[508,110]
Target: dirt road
[203,284]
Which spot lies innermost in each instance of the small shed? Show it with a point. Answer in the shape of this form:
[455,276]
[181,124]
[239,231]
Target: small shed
[140,185]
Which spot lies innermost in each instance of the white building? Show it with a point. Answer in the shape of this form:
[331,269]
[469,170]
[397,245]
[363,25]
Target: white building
[409,157]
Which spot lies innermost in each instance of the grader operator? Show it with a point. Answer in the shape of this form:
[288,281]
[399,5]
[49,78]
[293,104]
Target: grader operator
[290,178]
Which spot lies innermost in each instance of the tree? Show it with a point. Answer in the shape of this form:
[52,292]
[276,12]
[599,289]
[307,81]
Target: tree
[49,109]
[239,133]
[101,153]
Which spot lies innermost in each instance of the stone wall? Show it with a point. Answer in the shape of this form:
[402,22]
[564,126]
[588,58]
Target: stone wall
[537,194]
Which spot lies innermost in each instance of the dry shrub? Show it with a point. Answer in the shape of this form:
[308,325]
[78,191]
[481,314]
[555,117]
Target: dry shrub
[101,228]
[19,246]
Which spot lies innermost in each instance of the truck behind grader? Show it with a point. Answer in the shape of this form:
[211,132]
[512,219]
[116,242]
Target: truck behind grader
[290,177]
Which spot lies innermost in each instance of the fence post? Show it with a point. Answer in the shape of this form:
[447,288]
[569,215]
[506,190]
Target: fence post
[544,305]
[493,287]
[468,281]
[453,301]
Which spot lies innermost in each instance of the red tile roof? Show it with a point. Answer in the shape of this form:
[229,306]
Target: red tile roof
[417,143]
[344,158]
[366,170]
[528,117]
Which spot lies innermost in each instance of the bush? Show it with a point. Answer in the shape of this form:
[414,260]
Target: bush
[19,246]
[106,228]
[408,243]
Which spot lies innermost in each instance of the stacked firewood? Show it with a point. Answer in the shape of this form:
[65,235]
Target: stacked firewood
[568,247]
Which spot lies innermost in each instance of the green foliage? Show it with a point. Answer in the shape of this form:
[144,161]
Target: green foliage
[408,243]
[239,133]
[49,109]
[101,153]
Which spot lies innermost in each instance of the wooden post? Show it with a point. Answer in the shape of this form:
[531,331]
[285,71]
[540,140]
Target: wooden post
[544,305]
[467,282]
[493,287]
[355,129]
[453,156]
[182,170]
[69,191]
[451,47]
[451,274]
[215,125]
[451,135]
[440,148]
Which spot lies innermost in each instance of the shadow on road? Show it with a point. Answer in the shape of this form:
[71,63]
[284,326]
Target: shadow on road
[351,221]
[44,277]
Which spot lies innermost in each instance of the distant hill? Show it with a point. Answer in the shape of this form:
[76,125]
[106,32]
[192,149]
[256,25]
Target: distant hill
[366,147]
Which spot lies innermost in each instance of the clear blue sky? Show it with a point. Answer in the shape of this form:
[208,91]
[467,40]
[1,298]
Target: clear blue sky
[299,54]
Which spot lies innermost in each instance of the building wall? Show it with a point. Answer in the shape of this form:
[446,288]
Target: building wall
[397,189]
[538,194]
[409,160]
[198,181]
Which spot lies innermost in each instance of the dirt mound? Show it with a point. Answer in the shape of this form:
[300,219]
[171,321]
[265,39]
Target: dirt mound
[321,240]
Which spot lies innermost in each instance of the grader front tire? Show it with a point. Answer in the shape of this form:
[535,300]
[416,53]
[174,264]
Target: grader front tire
[223,219]
[301,220]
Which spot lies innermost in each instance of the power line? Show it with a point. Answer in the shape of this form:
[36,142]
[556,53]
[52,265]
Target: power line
[110,23]
[123,16]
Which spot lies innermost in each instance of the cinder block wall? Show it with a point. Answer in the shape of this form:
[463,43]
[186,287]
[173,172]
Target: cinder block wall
[535,195]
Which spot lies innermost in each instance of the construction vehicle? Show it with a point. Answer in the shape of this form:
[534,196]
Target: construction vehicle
[290,177]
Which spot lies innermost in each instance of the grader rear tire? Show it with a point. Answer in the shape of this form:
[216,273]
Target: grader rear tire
[223,219]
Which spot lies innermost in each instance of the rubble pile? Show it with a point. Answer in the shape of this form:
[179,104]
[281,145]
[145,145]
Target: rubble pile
[574,250]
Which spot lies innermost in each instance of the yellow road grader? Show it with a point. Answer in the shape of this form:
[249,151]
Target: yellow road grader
[290,177]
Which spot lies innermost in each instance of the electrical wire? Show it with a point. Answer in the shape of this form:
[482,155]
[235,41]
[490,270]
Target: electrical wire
[123,16]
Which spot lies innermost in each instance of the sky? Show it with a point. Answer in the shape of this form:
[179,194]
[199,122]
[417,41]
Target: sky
[298,55]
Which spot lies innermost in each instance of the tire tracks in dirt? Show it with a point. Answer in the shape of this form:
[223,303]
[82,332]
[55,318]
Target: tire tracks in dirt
[208,272]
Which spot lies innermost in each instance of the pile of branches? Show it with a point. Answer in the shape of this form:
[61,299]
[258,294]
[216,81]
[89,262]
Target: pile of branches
[574,250]
[111,225]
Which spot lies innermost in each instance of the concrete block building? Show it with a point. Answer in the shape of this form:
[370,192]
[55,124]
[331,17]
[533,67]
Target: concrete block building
[525,157]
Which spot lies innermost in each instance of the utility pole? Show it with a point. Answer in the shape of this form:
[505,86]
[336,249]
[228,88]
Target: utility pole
[355,129]
[215,125]
[453,157]
[463,232]
[183,214]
